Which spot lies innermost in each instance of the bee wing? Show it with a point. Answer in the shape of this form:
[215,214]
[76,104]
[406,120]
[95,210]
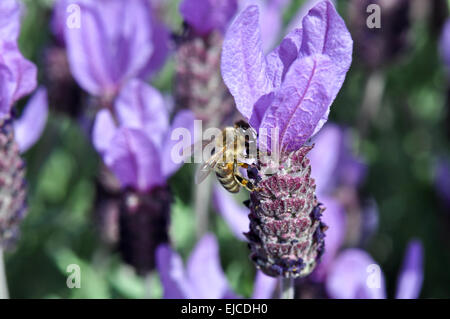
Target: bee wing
[207,167]
[196,147]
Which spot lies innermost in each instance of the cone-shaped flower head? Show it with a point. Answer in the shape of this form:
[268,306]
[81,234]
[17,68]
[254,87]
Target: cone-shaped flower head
[12,185]
[286,96]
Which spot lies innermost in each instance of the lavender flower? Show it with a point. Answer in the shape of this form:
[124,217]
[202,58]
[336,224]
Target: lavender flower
[288,92]
[103,53]
[199,86]
[203,276]
[17,79]
[348,278]
[135,143]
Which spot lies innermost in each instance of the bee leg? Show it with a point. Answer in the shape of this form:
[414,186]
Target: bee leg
[252,171]
[240,179]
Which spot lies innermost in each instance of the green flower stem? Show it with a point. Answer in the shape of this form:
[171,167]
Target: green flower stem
[286,288]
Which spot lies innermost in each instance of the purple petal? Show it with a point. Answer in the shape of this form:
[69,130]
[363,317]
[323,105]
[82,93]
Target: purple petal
[31,124]
[259,110]
[355,275]
[204,270]
[243,64]
[271,20]
[102,54]
[143,107]
[234,214]
[352,169]
[206,16]
[324,32]
[334,217]
[302,12]
[410,279]
[183,119]
[20,75]
[87,51]
[301,102]
[264,286]
[173,276]
[103,131]
[445,44]
[281,58]
[9,20]
[134,159]
[161,49]
[325,158]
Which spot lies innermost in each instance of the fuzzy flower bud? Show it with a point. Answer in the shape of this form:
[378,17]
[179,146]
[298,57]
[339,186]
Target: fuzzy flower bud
[199,85]
[12,185]
[286,233]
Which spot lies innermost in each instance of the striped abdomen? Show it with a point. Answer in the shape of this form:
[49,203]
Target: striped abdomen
[225,175]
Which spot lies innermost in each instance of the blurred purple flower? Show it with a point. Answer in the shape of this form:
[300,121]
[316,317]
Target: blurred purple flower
[270,20]
[203,276]
[445,44]
[17,74]
[334,217]
[138,148]
[29,127]
[293,87]
[333,162]
[409,281]
[205,16]
[115,41]
[234,214]
[442,180]
[355,275]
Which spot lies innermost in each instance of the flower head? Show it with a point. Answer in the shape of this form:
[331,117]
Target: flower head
[114,42]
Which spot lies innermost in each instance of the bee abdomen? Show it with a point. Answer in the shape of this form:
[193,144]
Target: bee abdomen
[228,182]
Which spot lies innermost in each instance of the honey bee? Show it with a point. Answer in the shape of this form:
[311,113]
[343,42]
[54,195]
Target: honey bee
[232,147]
